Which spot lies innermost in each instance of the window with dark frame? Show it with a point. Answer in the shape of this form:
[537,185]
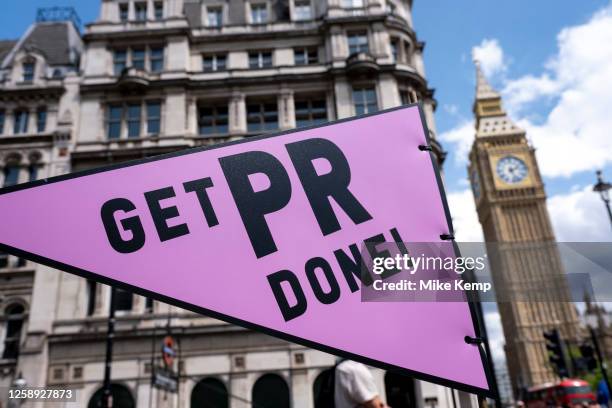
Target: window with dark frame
[15,315]
[139,57]
[157,59]
[124,12]
[364,100]
[214,62]
[158,9]
[148,305]
[113,121]
[140,10]
[302,10]
[310,112]
[41,119]
[153,118]
[119,61]
[33,172]
[213,120]
[394,49]
[260,59]
[306,56]
[11,176]
[92,288]
[259,13]
[28,71]
[214,16]
[358,42]
[262,116]
[352,4]
[134,118]
[21,118]
[124,300]
[4,260]
[2,120]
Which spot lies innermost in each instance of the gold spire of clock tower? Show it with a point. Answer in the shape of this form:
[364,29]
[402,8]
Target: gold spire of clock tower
[488,102]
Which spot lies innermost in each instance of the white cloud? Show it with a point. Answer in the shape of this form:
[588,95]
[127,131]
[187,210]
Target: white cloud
[461,137]
[574,136]
[495,334]
[579,216]
[490,55]
[465,219]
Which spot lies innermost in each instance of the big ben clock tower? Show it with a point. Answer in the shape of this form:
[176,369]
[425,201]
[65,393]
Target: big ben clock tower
[526,268]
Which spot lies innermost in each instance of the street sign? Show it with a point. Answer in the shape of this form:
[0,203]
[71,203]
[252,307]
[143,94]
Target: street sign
[261,233]
[165,379]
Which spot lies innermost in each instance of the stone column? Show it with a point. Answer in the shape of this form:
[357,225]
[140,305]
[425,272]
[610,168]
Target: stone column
[389,94]
[239,387]
[192,116]
[237,114]
[339,45]
[344,98]
[286,109]
[32,119]
[9,121]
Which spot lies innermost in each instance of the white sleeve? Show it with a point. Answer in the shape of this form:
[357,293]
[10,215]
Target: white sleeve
[362,385]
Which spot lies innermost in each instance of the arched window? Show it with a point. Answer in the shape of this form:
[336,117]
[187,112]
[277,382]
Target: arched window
[323,383]
[400,391]
[122,397]
[209,393]
[270,391]
[11,175]
[15,315]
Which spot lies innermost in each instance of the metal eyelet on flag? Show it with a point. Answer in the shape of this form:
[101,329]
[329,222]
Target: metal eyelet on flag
[473,340]
[425,148]
[447,237]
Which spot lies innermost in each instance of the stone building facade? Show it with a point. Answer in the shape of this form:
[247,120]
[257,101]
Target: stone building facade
[39,84]
[153,76]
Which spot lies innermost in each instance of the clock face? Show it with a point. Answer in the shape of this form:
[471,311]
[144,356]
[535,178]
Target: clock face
[511,169]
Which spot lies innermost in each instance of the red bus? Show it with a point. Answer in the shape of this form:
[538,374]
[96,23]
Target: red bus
[566,393]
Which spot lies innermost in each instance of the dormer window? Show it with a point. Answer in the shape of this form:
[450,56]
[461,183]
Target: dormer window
[214,16]
[259,13]
[28,71]
[302,10]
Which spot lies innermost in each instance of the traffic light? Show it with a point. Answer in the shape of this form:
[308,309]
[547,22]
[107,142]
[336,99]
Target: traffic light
[588,355]
[555,350]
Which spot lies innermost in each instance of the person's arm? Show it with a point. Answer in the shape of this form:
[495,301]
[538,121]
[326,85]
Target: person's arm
[364,389]
[376,402]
